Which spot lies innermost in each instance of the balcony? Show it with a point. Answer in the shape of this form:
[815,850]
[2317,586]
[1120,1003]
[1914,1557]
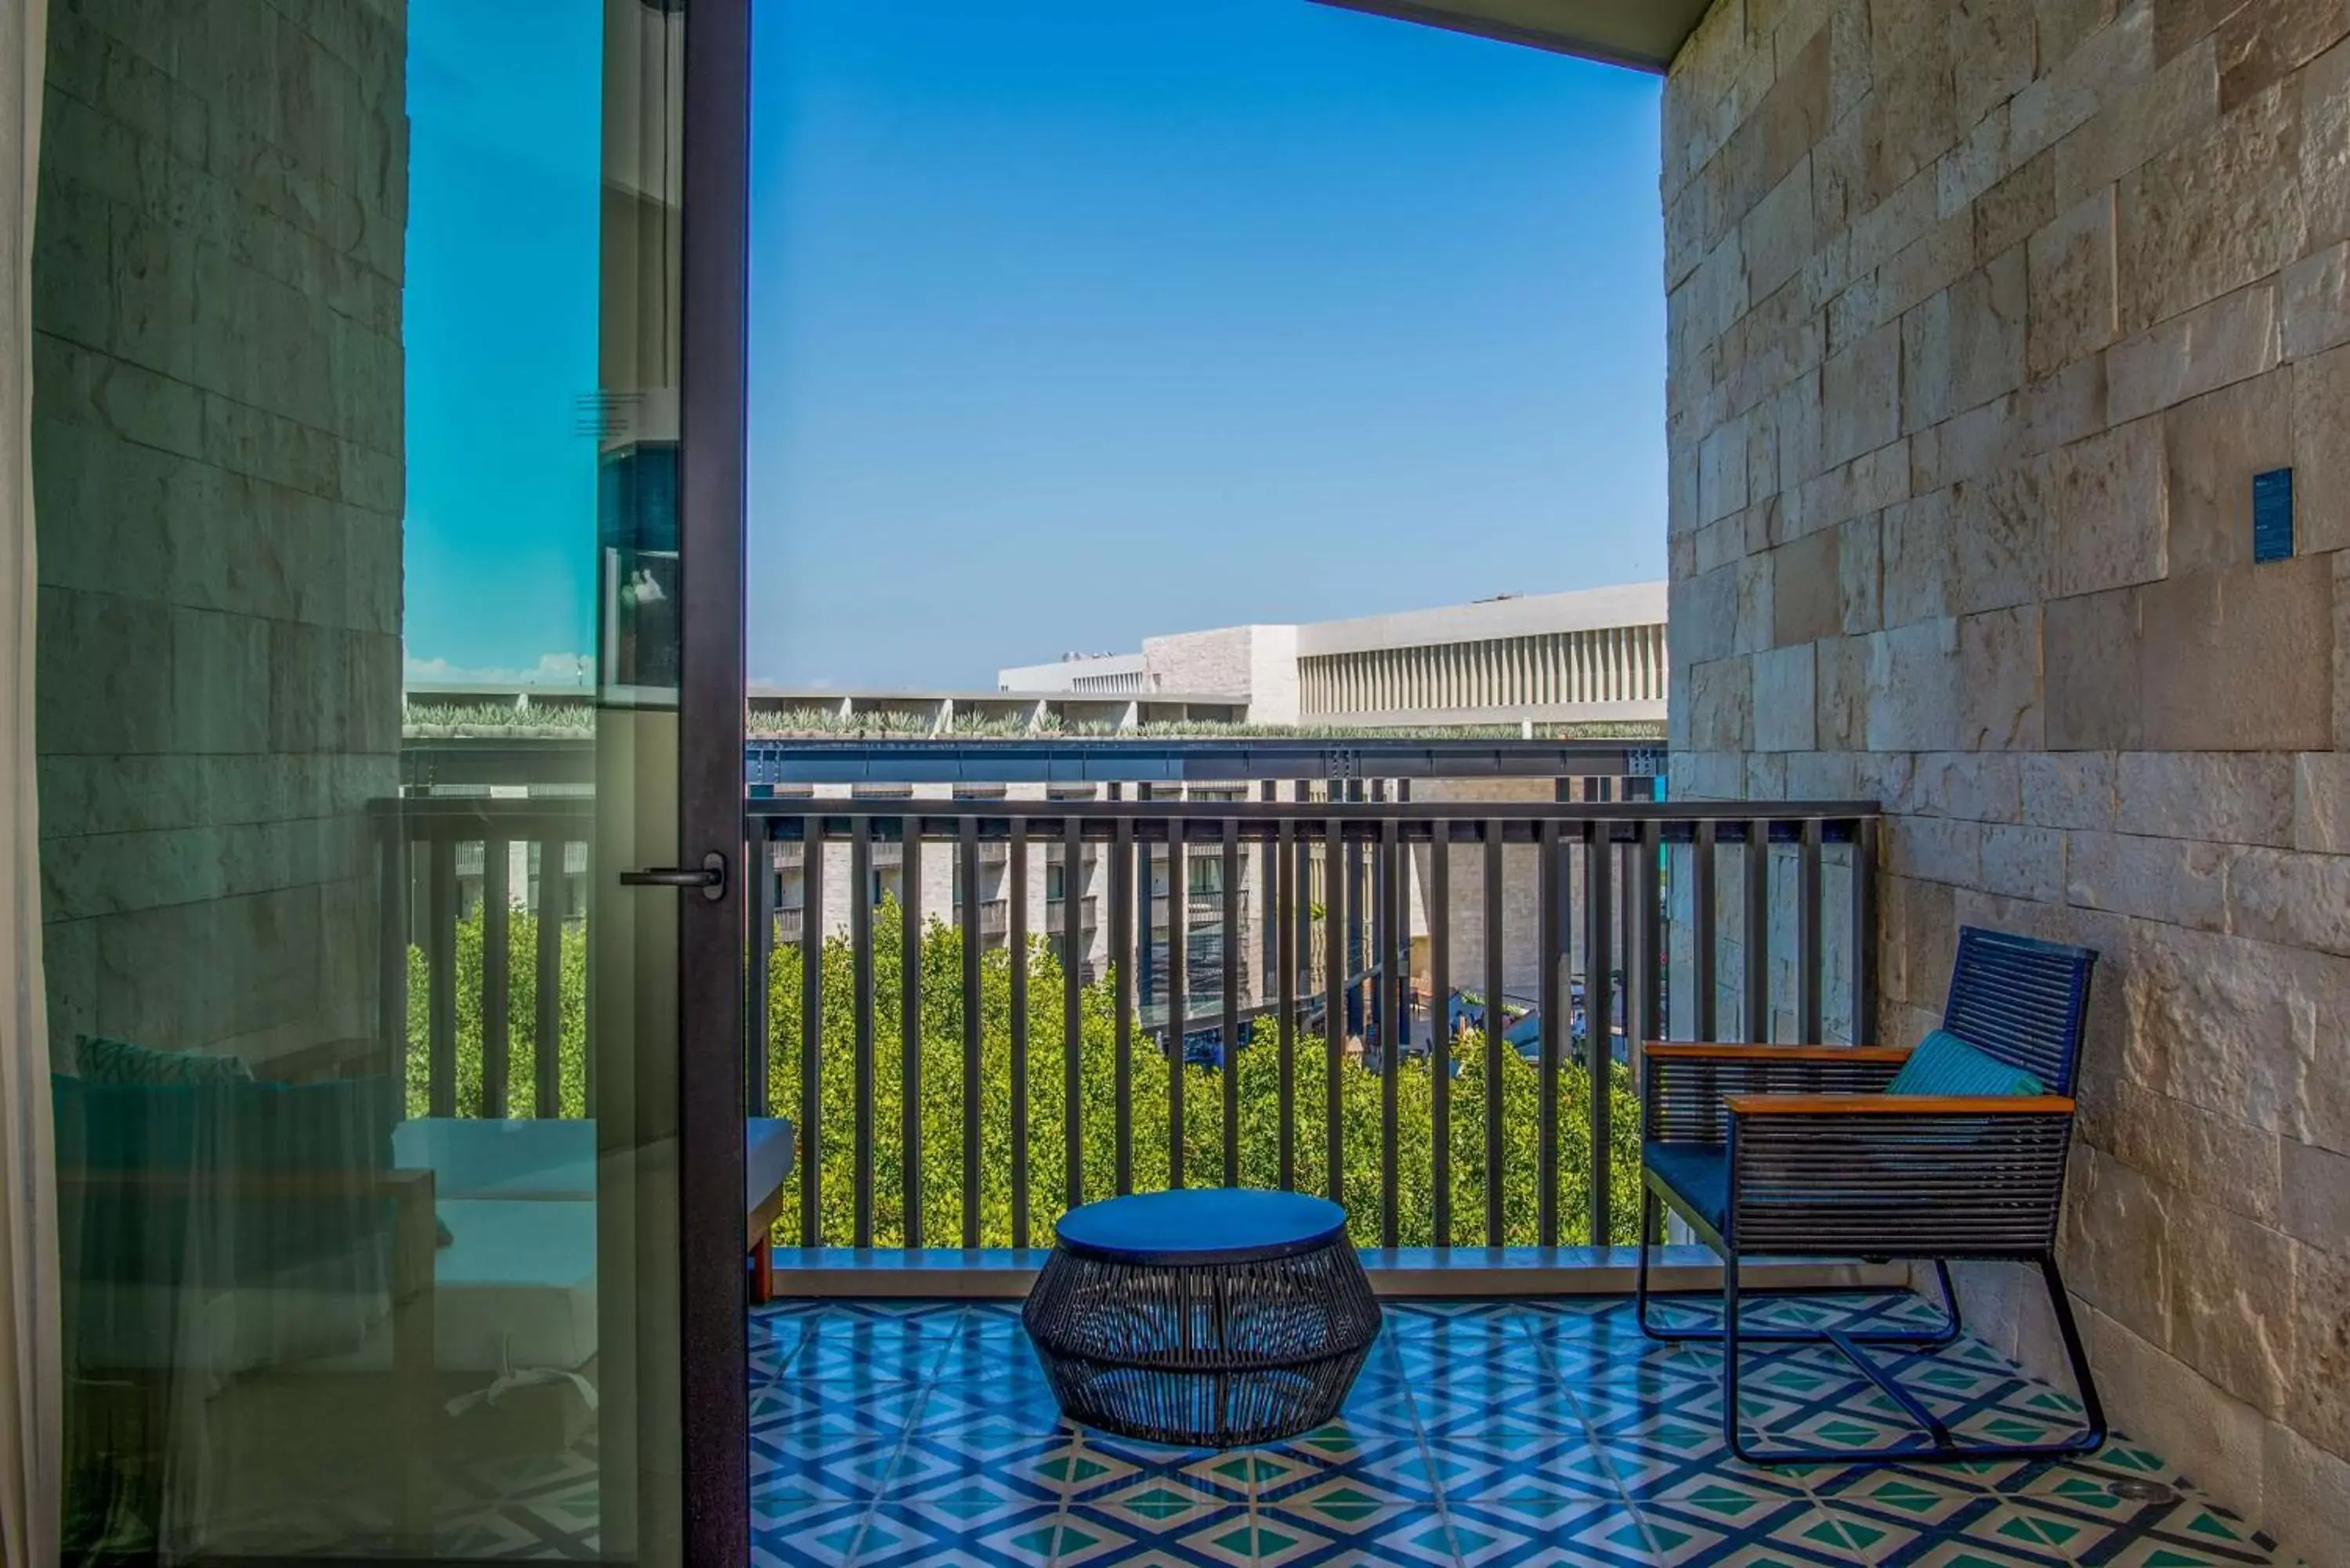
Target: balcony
[1512,1404]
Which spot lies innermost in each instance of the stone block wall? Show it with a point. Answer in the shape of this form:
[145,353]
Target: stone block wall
[1983,314]
[1221,660]
[217,450]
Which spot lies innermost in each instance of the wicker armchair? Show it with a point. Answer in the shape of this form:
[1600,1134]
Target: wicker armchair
[1796,1151]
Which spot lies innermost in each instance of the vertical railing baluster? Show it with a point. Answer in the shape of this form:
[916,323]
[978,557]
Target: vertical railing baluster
[1302,907]
[1121,959]
[1145,892]
[442,960]
[547,1051]
[1758,931]
[1072,1098]
[1628,919]
[1552,954]
[1356,902]
[1701,935]
[1649,900]
[967,866]
[1496,1022]
[1599,1015]
[1393,955]
[391,951]
[1864,931]
[1648,917]
[811,1128]
[1291,898]
[1177,992]
[1016,873]
[1334,1009]
[909,1021]
[496,978]
[1268,932]
[1811,960]
[759,862]
[860,943]
[1232,944]
[1439,1025]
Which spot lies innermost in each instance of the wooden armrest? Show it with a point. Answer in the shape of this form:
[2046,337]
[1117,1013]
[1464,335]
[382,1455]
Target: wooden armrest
[1900,1104]
[1705,1051]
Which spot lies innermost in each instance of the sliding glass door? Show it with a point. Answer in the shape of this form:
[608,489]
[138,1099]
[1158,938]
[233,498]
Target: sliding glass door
[388,478]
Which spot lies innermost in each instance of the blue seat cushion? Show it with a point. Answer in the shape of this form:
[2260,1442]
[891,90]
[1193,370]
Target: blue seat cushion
[1945,1064]
[1224,1225]
[1699,1173]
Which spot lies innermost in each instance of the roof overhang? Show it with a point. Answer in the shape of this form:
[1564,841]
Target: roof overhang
[1642,33]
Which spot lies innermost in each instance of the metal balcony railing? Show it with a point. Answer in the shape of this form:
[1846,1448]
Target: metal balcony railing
[1338,885]
[1349,914]
[419,842]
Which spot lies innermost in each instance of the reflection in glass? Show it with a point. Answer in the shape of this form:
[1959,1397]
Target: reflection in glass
[355,457]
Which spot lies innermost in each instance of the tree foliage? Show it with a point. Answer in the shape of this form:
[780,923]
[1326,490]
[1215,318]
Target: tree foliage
[522,1020]
[1258,1065]
[1151,1076]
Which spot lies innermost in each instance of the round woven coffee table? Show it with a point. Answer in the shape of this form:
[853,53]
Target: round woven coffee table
[1216,1316]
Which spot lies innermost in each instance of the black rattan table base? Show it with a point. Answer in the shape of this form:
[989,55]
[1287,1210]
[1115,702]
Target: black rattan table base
[1220,1354]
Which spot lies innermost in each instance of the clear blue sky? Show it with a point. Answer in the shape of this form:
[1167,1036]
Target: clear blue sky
[1071,322]
[500,329]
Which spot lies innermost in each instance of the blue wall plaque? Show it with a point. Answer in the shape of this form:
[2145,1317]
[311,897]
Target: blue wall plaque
[2272,515]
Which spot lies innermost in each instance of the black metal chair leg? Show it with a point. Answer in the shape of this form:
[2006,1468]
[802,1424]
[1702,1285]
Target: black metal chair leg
[1730,1356]
[1949,1292]
[1949,1333]
[1640,1285]
[2092,1409]
[1942,1447]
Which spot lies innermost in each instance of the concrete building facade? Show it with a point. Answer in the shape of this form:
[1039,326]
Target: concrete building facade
[1594,656]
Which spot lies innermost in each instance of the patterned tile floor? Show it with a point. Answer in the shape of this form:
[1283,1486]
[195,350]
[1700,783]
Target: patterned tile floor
[1526,1432]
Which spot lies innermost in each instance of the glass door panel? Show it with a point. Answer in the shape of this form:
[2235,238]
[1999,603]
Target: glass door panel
[358,458]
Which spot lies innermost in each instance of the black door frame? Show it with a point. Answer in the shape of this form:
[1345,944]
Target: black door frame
[711,433]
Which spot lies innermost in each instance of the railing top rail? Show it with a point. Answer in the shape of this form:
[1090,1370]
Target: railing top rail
[1202,821]
[1158,820]
[578,811]
[1244,811]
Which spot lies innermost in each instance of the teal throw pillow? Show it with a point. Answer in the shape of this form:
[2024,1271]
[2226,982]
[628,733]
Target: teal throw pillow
[1945,1064]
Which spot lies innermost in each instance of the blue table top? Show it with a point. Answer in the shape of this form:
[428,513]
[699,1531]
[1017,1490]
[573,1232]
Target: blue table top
[1201,1225]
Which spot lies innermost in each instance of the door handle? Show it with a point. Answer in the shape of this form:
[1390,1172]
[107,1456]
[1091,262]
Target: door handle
[710,877]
